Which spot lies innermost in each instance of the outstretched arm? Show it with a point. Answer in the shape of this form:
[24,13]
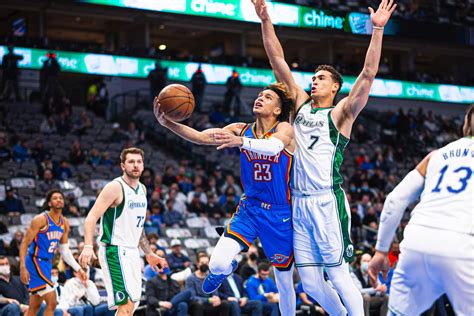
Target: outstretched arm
[349,108]
[406,192]
[276,56]
[206,137]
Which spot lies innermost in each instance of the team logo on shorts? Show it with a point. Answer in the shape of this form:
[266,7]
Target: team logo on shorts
[119,296]
[279,258]
[349,251]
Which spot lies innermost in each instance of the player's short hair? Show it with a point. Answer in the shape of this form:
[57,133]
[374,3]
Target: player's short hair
[469,130]
[287,103]
[131,150]
[50,193]
[263,266]
[335,75]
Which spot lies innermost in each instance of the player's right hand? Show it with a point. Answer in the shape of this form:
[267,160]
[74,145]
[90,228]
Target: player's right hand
[379,262]
[261,9]
[160,116]
[86,256]
[24,275]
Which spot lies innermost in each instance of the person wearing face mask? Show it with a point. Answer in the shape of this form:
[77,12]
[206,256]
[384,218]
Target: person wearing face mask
[250,267]
[164,296]
[202,303]
[374,298]
[14,298]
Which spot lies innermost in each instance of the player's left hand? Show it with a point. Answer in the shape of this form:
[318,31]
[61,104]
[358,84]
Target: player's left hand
[156,262]
[82,275]
[227,140]
[383,13]
[378,263]
[261,9]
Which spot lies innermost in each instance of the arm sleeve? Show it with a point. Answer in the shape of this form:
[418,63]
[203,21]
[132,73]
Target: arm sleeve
[406,192]
[67,256]
[268,147]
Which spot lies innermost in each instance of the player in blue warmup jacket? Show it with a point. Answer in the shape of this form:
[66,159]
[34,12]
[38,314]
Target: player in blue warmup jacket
[264,211]
[47,230]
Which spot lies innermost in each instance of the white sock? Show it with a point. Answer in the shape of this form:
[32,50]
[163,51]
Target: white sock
[223,254]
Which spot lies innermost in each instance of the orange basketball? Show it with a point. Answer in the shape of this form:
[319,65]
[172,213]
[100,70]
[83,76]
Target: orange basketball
[176,101]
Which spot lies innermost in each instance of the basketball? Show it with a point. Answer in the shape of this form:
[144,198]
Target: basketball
[177,102]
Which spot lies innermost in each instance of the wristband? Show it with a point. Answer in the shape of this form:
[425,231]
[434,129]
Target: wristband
[88,246]
[377,27]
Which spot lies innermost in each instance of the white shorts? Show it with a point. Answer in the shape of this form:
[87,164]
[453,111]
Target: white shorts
[122,274]
[420,279]
[322,224]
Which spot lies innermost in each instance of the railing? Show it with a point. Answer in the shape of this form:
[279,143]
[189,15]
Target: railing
[123,103]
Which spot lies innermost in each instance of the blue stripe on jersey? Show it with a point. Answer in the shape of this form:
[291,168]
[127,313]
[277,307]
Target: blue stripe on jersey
[47,240]
[265,178]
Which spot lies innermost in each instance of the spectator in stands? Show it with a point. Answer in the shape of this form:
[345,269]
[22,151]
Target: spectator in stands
[230,182]
[158,79]
[229,201]
[202,303]
[21,151]
[150,226]
[52,94]
[165,293]
[117,136]
[172,217]
[14,248]
[76,154]
[12,205]
[13,293]
[94,159]
[186,184]
[39,153]
[78,296]
[63,172]
[156,216]
[169,177]
[233,291]
[250,267]
[48,126]
[261,287]
[214,209]
[179,199]
[198,83]
[105,160]
[232,100]
[63,122]
[82,124]
[47,183]
[196,206]
[102,99]
[367,164]
[134,134]
[10,74]
[5,152]
[176,259]
[307,303]
[374,298]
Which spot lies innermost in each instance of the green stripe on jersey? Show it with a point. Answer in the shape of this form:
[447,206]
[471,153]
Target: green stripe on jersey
[340,142]
[116,274]
[109,217]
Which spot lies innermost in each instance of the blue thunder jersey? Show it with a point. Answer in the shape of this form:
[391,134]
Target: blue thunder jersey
[47,240]
[265,178]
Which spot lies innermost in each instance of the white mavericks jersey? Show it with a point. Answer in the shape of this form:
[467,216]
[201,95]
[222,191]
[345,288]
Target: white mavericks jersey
[447,200]
[123,225]
[319,150]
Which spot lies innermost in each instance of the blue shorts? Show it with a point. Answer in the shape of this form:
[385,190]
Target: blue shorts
[40,273]
[272,224]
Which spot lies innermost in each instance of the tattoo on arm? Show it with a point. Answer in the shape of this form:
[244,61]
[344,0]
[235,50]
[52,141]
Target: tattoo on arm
[144,244]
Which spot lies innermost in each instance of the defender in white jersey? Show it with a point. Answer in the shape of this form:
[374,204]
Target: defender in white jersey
[121,207]
[321,216]
[437,252]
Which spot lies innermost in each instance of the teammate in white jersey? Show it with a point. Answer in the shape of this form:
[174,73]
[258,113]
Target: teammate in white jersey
[437,252]
[121,207]
[321,216]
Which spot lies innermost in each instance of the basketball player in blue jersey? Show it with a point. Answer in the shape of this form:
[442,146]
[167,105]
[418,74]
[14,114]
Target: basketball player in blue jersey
[264,210]
[47,231]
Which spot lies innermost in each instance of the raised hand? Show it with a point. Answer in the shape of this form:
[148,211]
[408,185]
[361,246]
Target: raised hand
[160,116]
[261,9]
[383,13]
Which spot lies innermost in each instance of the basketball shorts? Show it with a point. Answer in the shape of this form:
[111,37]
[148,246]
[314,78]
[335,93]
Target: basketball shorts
[433,262]
[121,267]
[272,224]
[321,223]
[40,275]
